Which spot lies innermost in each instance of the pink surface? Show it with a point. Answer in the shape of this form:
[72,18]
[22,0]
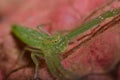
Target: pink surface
[0,75]
[102,51]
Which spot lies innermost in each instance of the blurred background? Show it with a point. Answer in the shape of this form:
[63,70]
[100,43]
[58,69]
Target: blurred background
[100,55]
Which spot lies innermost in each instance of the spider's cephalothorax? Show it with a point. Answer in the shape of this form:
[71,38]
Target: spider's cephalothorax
[54,44]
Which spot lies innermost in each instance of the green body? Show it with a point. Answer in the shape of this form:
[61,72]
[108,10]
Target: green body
[51,46]
[47,44]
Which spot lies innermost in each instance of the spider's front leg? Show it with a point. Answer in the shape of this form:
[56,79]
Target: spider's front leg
[35,61]
[34,54]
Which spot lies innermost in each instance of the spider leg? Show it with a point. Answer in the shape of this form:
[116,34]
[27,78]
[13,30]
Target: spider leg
[35,61]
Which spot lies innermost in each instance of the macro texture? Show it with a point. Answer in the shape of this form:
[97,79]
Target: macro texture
[100,55]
